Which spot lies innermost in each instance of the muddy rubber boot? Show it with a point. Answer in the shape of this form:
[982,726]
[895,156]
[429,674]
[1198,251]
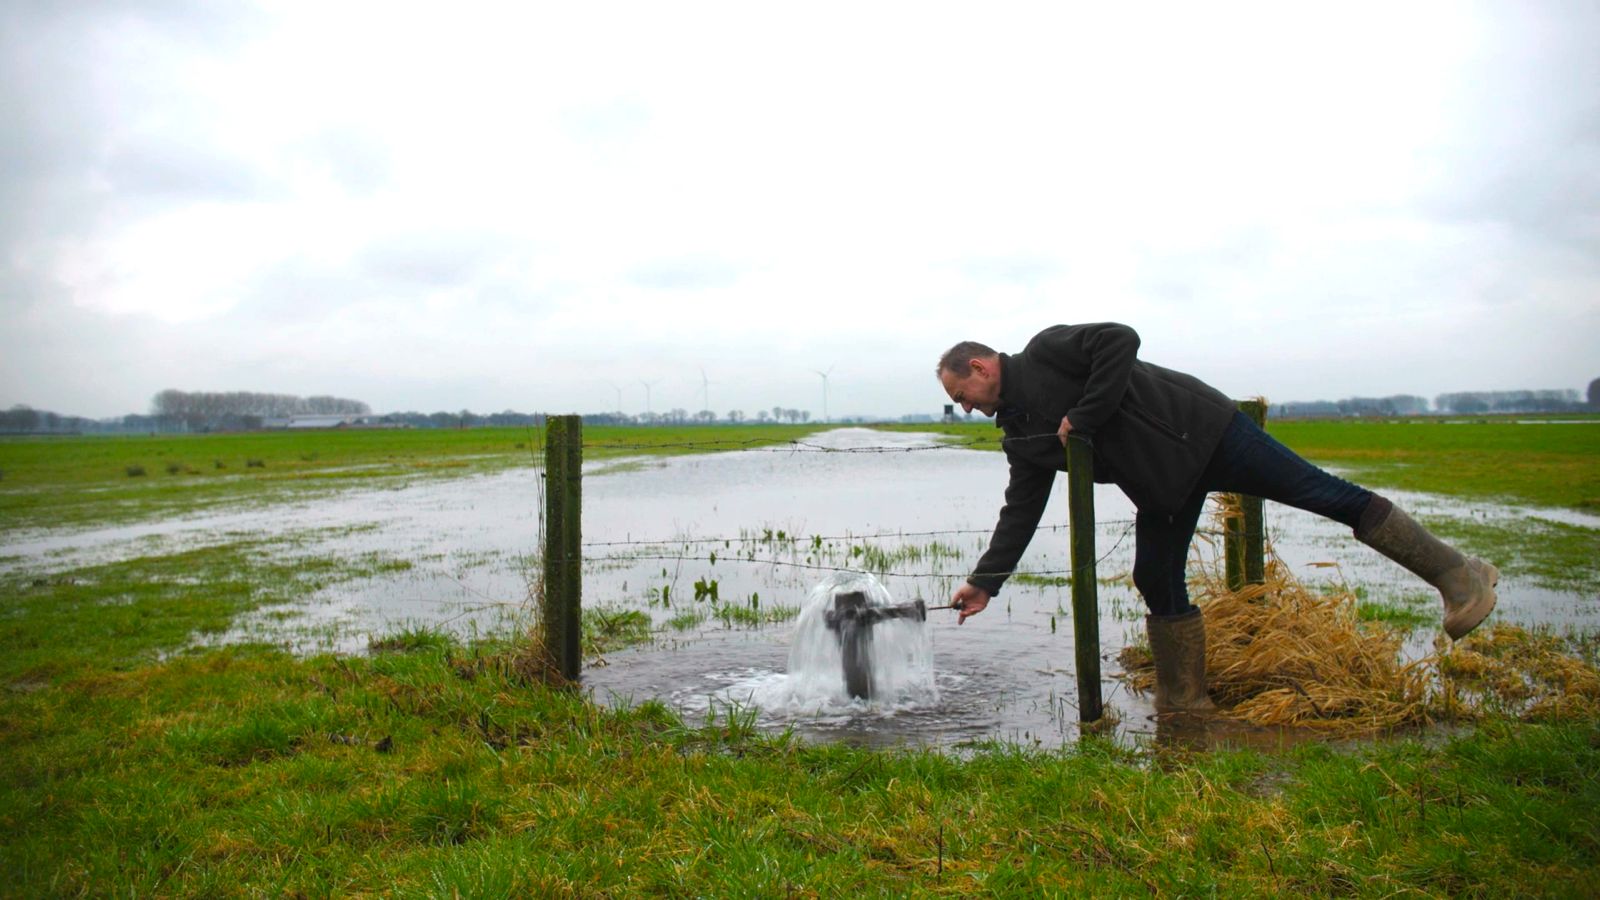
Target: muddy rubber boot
[1178,645]
[1465,583]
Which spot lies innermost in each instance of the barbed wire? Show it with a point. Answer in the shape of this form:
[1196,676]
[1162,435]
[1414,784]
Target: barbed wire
[796,445]
[885,571]
[777,445]
[484,601]
[823,567]
[799,540]
[809,538]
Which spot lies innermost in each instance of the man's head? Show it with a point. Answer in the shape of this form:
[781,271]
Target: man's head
[970,373]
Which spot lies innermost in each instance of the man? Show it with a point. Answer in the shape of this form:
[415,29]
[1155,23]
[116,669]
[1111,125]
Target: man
[1166,439]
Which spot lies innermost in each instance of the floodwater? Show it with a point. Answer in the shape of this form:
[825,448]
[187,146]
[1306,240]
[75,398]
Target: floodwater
[763,528]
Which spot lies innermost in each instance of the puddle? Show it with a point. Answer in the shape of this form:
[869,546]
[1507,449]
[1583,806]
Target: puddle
[763,527]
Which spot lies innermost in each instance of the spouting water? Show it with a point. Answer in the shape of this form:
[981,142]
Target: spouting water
[854,644]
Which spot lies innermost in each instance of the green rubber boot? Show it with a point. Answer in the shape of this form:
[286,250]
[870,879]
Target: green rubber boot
[1465,583]
[1178,645]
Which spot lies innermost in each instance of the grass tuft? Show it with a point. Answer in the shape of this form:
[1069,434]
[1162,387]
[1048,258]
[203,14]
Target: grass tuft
[412,640]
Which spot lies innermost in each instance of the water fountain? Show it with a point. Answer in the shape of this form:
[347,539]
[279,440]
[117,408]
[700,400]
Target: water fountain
[854,644]
[852,619]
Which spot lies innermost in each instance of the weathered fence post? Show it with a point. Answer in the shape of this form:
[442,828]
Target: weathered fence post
[563,551]
[1085,592]
[1245,535]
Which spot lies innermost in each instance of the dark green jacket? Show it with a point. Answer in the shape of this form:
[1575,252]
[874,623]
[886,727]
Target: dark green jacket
[1153,430]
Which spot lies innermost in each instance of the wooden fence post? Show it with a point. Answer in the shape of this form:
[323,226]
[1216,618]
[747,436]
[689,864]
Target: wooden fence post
[1245,535]
[1085,591]
[562,615]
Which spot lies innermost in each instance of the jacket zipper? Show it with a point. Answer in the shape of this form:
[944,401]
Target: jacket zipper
[1159,425]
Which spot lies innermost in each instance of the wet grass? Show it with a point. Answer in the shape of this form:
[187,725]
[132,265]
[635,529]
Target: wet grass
[1496,460]
[754,614]
[136,760]
[1406,611]
[878,558]
[687,619]
[97,480]
[432,768]
[605,630]
[1492,458]
[1058,581]
[1552,554]
[1556,465]
[120,615]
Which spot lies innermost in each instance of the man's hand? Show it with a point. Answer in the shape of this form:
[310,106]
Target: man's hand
[1064,430]
[969,600]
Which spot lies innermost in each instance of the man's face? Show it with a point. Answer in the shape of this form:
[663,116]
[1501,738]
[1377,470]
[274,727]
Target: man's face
[979,390]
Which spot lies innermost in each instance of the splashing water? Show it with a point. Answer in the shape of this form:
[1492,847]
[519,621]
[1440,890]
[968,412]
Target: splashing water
[894,656]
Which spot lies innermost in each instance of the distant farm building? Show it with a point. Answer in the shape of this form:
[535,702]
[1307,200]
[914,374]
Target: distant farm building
[327,421]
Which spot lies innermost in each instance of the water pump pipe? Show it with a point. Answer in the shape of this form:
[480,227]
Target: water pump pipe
[851,621]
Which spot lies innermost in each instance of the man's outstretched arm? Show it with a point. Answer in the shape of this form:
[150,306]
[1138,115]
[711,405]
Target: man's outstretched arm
[1026,496]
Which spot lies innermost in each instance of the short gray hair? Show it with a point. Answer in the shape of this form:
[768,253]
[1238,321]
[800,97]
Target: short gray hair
[958,359]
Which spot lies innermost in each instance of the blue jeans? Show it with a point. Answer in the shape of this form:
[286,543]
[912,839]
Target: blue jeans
[1246,461]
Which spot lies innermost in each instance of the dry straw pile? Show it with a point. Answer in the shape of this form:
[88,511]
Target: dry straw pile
[1282,654]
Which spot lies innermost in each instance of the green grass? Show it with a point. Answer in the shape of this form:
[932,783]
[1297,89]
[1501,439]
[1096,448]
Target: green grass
[134,761]
[1490,458]
[980,433]
[431,769]
[688,619]
[605,630]
[1042,580]
[1404,611]
[81,481]
[124,614]
[1554,554]
[753,615]
[1494,460]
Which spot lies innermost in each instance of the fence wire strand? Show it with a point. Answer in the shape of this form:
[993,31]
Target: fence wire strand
[887,572]
[792,446]
[796,445]
[790,538]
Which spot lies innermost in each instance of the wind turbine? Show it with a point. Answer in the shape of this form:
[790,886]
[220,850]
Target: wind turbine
[705,389]
[825,389]
[619,397]
[647,386]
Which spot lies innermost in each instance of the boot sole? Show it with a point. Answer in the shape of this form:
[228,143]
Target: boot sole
[1458,623]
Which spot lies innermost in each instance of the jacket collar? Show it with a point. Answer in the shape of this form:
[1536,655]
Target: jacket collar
[1011,377]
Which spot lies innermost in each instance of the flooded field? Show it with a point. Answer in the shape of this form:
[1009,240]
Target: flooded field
[720,550]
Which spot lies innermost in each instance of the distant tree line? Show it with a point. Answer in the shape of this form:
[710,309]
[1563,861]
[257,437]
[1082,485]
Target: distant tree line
[1397,405]
[174,410]
[21,419]
[201,405]
[240,410]
[1461,403]
[1509,402]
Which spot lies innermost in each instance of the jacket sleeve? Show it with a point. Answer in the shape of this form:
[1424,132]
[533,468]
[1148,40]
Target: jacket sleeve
[1101,355]
[1026,496]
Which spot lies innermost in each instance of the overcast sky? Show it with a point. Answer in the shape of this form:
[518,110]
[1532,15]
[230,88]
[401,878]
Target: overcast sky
[541,206]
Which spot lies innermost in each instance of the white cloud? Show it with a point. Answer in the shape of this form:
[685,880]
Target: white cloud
[500,205]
